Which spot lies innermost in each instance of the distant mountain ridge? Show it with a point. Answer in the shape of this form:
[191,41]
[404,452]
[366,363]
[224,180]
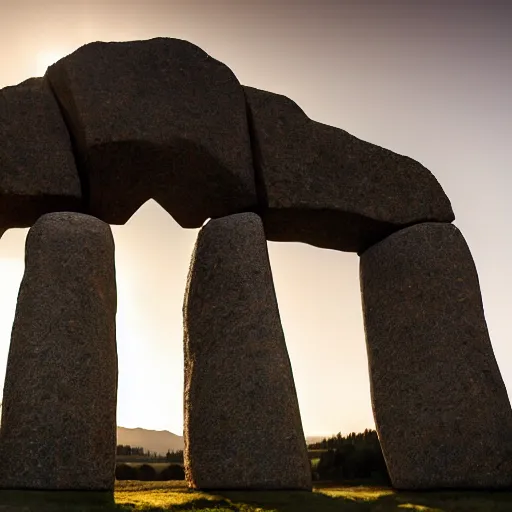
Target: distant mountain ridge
[160,441]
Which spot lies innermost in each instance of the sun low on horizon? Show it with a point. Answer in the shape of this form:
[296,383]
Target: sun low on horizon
[44,59]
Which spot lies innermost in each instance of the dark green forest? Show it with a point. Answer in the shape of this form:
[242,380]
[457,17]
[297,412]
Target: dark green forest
[138,453]
[351,458]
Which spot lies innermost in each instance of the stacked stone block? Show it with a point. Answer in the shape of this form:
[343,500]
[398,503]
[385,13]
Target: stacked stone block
[242,421]
[156,119]
[322,186]
[37,166]
[115,124]
[58,428]
[439,401]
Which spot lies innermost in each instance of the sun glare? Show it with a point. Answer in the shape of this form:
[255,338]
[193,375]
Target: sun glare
[46,59]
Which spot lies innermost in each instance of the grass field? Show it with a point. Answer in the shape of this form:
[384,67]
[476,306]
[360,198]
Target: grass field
[132,496]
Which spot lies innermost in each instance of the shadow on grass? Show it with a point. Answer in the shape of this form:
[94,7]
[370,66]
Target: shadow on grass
[446,501]
[338,499]
[277,501]
[202,504]
[293,501]
[325,499]
[42,501]
[362,499]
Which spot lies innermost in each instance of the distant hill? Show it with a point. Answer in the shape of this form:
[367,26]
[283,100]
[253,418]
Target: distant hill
[158,441]
[315,439]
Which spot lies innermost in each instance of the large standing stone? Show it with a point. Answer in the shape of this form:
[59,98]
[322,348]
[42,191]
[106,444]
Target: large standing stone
[37,167]
[440,405]
[157,119]
[242,422]
[58,426]
[322,186]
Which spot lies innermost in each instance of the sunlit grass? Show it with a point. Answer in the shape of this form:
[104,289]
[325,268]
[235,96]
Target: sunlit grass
[159,495]
[136,496]
[359,493]
[323,499]
[418,508]
[314,463]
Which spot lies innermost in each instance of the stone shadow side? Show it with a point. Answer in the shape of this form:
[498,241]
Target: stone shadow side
[320,185]
[38,174]
[243,428]
[157,119]
[439,401]
[58,429]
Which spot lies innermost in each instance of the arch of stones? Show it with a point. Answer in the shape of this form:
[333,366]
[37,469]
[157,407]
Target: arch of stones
[115,124]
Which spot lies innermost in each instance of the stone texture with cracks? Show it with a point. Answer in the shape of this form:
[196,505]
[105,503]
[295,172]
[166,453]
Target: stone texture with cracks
[156,119]
[320,185]
[242,422]
[58,427]
[37,167]
[440,405]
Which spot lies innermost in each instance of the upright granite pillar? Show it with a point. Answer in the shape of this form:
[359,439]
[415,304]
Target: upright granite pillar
[440,405]
[58,426]
[242,422]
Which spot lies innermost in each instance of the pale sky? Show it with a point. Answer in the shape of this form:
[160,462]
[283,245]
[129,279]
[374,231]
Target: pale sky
[430,80]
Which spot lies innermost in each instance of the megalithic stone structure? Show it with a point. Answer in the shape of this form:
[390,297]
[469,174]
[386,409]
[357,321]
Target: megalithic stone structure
[37,166]
[113,125]
[175,131]
[242,422]
[58,427]
[321,185]
[441,408]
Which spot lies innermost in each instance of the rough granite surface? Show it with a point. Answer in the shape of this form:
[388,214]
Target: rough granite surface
[440,405]
[115,124]
[38,174]
[58,429]
[156,119]
[321,185]
[242,422]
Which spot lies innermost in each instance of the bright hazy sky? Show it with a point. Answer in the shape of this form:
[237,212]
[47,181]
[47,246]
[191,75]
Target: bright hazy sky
[431,81]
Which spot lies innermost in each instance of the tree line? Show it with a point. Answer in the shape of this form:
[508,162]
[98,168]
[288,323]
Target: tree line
[170,456]
[126,449]
[355,457]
